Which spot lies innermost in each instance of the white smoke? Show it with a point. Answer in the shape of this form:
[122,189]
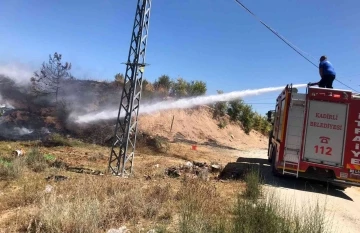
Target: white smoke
[18,72]
[178,104]
[22,131]
[5,104]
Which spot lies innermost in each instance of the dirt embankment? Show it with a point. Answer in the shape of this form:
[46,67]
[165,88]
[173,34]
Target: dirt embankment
[198,126]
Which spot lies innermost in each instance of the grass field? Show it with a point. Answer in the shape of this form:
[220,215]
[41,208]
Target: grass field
[39,193]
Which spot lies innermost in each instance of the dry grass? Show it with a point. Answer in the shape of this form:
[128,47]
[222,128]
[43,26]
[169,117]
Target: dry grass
[10,168]
[87,203]
[202,209]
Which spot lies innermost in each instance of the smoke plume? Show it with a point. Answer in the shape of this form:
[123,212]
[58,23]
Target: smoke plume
[177,104]
[18,72]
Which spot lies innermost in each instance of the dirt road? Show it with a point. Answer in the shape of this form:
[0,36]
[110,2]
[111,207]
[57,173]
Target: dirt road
[342,208]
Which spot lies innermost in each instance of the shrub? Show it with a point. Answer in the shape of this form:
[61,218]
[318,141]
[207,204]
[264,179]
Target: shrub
[235,109]
[220,108]
[247,118]
[35,160]
[10,169]
[222,124]
[257,122]
[58,140]
[163,82]
[157,143]
[253,185]
[179,88]
[196,88]
[265,126]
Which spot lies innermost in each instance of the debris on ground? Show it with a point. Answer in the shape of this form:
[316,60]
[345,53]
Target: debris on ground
[56,178]
[48,188]
[216,168]
[63,165]
[173,172]
[18,153]
[84,170]
[147,177]
[193,169]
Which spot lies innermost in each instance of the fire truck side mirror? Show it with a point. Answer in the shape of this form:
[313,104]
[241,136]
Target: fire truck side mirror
[269,116]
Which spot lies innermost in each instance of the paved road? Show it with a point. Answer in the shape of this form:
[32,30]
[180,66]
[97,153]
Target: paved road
[342,208]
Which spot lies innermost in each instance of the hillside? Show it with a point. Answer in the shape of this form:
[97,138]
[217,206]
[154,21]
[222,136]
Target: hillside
[25,116]
[198,126]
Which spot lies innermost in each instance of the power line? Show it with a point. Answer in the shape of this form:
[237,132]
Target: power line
[285,41]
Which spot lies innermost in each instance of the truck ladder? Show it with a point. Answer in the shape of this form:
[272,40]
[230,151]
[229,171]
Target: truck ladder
[291,158]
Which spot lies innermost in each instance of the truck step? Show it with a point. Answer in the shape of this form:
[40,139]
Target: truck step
[290,173]
[291,160]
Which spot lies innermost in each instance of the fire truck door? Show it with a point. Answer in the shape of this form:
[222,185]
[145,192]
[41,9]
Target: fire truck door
[325,132]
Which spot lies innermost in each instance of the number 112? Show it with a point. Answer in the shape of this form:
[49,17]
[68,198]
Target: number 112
[321,150]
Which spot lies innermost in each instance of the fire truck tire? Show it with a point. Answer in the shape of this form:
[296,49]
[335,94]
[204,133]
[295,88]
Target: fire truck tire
[274,170]
[270,149]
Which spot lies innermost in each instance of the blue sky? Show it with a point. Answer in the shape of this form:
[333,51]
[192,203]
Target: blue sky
[215,41]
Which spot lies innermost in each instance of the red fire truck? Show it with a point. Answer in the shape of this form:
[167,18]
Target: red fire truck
[316,135]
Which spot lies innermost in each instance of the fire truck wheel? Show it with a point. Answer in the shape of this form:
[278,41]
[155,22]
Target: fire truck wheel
[270,149]
[274,170]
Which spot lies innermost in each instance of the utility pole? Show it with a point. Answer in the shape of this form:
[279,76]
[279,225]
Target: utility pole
[124,139]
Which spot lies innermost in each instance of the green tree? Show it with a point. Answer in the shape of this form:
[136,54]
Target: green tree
[196,88]
[257,122]
[179,88]
[265,126]
[220,108]
[239,111]
[52,75]
[119,78]
[247,118]
[163,82]
[235,109]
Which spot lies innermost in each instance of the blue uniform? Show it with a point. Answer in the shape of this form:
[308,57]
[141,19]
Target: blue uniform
[327,68]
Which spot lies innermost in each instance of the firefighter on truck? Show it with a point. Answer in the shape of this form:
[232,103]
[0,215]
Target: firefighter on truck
[326,72]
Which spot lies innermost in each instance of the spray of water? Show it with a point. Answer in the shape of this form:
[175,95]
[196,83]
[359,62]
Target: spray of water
[178,104]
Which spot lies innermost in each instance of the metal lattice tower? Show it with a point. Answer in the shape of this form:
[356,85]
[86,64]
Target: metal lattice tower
[126,125]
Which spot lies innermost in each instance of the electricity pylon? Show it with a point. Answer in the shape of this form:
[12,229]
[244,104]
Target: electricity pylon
[121,163]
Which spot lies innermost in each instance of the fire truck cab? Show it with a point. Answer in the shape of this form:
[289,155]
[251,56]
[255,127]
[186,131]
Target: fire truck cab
[316,135]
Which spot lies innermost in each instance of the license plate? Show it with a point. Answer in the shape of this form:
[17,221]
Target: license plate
[354,171]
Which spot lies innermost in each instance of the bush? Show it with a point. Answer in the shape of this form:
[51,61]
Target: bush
[163,82]
[179,88]
[220,108]
[119,78]
[235,109]
[58,140]
[265,126]
[222,124]
[10,169]
[196,88]
[257,122]
[36,161]
[253,185]
[158,144]
[247,118]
